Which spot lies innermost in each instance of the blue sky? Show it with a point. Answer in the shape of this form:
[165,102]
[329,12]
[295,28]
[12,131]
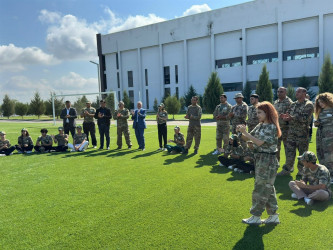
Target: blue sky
[46,45]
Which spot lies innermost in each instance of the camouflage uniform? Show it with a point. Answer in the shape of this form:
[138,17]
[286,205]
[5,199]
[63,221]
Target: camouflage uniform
[42,140]
[240,113]
[194,127]
[78,139]
[282,107]
[324,139]
[24,140]
[252,118]
[61,139]
[179,139]
[9,148]
[122,127]
[266,165]
[89,125]
[223,124]
[298,133]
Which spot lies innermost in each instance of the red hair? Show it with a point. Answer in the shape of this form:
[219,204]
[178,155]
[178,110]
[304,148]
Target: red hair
[271,115]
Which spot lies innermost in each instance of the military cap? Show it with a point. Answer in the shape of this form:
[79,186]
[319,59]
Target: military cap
[224,95]
[255,96]
[308,156]
[161,105]
[177,127]
[2,132]
[60,128]
[79,127]
[24,129]
[88,102]
[239,95]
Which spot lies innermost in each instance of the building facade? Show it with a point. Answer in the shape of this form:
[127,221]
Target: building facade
[290,37]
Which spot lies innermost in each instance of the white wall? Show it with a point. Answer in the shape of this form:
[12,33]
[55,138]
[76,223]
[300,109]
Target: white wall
[129,62]
[111,72]
[228,45]
[261,40]
[328,34]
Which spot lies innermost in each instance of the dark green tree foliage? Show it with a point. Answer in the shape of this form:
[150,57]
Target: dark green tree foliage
[172,105]
[275,88]
[212,93]
[188,96]
[37,106]
[264,86]
[95,104]
[8,106]
[325,80]
[247,92]
[110,101]
[305,82]
[166,95]
[127,102]
[80,103]
[58,105]
[155,106]
[291,92]
[21,109]
[182,103]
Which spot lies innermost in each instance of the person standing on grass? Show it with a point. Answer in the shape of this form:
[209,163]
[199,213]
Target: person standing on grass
[25,143]
[61,139]
[122,115]
[252,118]
[103,116]
[5,147]
[88,123]
[44,142]
[315,183]
[139,124]
[162,117]
[265,138]
[178,138]
[221,115]
[80,142]
[324,122]
[193,114]
[68,114]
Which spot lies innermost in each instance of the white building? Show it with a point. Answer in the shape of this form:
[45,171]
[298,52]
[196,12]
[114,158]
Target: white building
[290,36]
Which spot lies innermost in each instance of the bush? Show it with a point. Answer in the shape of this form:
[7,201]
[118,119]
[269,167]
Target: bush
[213,90]
[172,105]
[264,86]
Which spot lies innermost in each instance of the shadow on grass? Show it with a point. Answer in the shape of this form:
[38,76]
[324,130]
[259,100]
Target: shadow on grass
[178,158]
[306,210]
[216,169]
[146,154]
[239,176]
[206,160]
[282,187]
[252,238]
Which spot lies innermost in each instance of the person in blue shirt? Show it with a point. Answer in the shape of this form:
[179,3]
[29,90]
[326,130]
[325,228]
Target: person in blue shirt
[139,124]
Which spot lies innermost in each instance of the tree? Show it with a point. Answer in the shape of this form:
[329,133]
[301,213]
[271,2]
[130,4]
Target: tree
[325,80]
[188,96]
[247,92]
[172,105]
[182,103]
[212,93]
[21,109]
[127,102]
[95,104]
[305,82]
[110,101]
[155,106]
[37,106]
[291,92]
[80,103]
[166,95]
[264,86]
[275,88]
[8,106]
[58,105]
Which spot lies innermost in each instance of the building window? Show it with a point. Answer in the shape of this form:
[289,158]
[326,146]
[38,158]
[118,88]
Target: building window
[119,97]
[147,98]
[300,54]
[235,86]
[262,58]
[146,76]
[130,78]
[117,61]
[167,92]
[131,95]
[166,75]
[177,93]
[118,80]
[229,62]
[176,73]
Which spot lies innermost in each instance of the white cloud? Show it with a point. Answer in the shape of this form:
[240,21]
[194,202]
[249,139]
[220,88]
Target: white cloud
[49,17]
[195,9]
[15,59]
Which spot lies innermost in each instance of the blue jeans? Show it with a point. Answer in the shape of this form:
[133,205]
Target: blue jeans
[139,133]
[104,130]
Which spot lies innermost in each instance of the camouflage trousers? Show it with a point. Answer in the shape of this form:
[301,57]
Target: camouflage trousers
[193,131]
[299,142]
[284,136]
[222,133]
[263,195]
[123,130]
[324,147]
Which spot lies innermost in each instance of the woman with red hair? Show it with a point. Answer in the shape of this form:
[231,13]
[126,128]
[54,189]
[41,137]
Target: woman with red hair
[263,140]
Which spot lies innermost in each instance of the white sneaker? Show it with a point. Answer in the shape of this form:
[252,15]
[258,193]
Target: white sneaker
[294,196]
[2,155]
[308,201]
[29,152]
[235,169]
[231,167]
[216,152]
[253,220]
[240,171]
[94,147]
[160,149]
[272,219]
[164,149]
[221,165]
[73,150]
[108,148]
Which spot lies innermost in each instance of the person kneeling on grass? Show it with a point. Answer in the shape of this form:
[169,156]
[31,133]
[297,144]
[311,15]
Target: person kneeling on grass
[80,142]
[318,178]
[61,139]
[179,139]
[5,148]
[25,143]
[44,142]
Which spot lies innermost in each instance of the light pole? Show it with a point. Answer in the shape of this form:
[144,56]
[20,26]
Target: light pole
[99,79]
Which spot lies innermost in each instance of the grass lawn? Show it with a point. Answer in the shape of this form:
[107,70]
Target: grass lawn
[130,199]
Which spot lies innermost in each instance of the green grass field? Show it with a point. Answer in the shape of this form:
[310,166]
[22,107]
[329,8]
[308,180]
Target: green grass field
[130,199]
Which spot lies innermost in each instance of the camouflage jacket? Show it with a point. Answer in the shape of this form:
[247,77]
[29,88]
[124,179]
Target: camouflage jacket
[240,113]
[222,109]
[268,134]
[121,120]
[44,140]
[160,115]
[196,113]
[60,139]
[78,139]
[4,143]
[90,110]
[252,118]
[301,113]
[282,107]
[230,150]
[179,138]
[22,140]
[320,176]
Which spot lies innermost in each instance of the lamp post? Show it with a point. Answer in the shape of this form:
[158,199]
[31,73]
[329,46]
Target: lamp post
[99,79]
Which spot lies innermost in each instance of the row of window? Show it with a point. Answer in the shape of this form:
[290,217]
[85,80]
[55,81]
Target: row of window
[268,57]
